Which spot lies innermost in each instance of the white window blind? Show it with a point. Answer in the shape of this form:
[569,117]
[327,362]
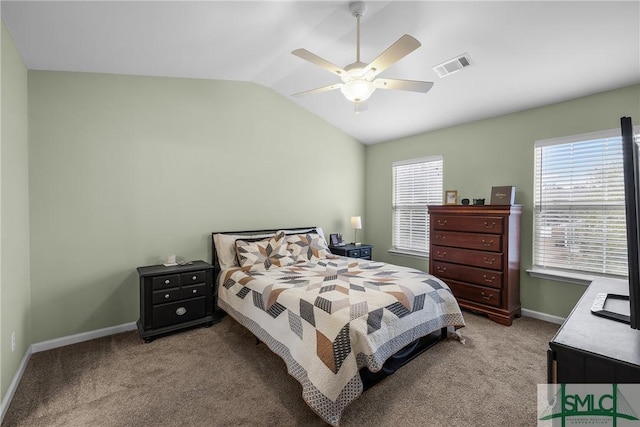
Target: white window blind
[579,210]
[417,183]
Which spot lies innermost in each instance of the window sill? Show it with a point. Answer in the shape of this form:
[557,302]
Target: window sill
[410,254]
[565,276]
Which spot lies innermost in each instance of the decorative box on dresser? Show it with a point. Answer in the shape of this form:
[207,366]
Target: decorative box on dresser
[174,298]
[476,251]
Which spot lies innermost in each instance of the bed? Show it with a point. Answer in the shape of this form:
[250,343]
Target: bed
[340,324]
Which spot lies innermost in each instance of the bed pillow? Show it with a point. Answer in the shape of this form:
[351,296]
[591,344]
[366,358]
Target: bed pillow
[308,247]
[263,254]
[226,247]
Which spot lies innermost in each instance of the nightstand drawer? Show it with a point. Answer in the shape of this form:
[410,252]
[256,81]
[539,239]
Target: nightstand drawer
[177,312]
[163,282]
[353,253]
[193,277]
[192,291]
[365,253]
[167,295]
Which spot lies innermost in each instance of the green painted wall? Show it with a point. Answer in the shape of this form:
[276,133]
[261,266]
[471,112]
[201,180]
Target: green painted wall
[492,152]
[125,170]
[14,213]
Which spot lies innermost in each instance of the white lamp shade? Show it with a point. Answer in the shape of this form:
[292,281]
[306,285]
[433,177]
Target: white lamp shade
[356,222]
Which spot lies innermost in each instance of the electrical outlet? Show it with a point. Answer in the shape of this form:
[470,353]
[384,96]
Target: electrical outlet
[13,342]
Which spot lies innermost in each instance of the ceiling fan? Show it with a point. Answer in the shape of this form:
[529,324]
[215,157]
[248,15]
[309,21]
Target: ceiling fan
[359,79]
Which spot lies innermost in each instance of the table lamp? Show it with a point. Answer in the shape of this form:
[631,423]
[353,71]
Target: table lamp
[356,224]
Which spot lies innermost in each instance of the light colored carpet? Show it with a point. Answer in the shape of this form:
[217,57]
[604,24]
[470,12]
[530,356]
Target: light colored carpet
[218,376]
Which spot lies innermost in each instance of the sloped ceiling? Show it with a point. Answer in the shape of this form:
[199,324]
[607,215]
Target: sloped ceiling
[525,54]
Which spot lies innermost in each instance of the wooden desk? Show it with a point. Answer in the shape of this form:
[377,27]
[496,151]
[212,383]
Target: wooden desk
[592,349]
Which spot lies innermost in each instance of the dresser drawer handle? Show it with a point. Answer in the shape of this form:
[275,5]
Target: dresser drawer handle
[487,225]
[180,311]
[194,278]
[489,279]
[487,244]
[167,296]
[166,282]
[441,269]
[485,296]
[441,254]
[442,222]
[440,236]
[489,261]
[195,291]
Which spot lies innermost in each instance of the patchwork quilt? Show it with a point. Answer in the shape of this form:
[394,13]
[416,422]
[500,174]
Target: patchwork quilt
[328,318]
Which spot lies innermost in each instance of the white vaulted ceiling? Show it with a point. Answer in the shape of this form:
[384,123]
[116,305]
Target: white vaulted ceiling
[525,54]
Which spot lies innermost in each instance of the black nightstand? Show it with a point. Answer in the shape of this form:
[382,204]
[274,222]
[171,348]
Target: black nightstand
[174,298]
[353,251]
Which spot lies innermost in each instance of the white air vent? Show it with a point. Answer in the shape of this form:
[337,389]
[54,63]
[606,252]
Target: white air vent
[453,65]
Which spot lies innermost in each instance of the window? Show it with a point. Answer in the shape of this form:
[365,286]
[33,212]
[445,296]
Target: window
[417,183]
[579,212]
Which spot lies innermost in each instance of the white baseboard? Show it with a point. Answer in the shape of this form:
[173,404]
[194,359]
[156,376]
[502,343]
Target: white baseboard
[543,316]
[14,384]
[81,337]
[55,343]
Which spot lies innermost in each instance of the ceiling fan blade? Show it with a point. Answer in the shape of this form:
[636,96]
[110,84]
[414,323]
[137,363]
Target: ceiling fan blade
[401,48]
[410,85]
[320,89]
[320,62]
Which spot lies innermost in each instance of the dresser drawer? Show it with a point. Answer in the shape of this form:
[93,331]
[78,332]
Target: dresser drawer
[479,294]
[476,224]
[193,277]
[166,295]
[177,312]
[163,282]
[193,291]
[471,257]
[484,242]
[479,276]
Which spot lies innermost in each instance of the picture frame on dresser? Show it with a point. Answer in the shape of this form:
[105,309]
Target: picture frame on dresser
[451,197]
[503,195]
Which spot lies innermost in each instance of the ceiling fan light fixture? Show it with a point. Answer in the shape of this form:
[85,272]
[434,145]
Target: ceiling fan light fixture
[357,90]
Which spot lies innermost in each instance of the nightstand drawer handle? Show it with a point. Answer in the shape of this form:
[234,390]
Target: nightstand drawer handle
[166,282]
[442,222]
[194,278]
[441,269]
[440,236]
[489,261]
[167,296]
[487,244]
[487,225]
[180,311]
[488,279]
[486,297]
[441,254]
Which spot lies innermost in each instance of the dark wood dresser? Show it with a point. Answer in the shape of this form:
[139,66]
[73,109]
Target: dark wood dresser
[174,298]
[476,251]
